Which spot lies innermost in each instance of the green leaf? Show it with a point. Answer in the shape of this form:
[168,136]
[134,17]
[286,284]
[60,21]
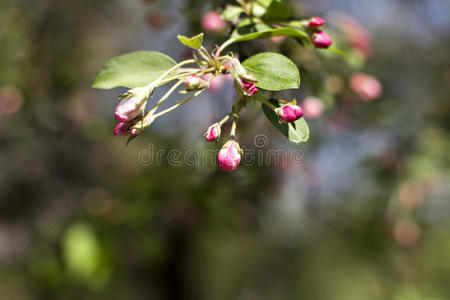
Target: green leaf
[132,70]
[263,31]
[231,12]
[297,132]
[194,42]
[274,71]
[277,11]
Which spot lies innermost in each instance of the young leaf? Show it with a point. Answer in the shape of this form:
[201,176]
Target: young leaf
[297,132]
[274,71]
[231,12]
[132,70]
[194,42]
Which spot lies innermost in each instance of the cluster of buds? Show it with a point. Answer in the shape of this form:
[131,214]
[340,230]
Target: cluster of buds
[320,38]
[131,104]
[129,111]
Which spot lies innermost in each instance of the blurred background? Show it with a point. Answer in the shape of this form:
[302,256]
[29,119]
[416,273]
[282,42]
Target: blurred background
[366,215]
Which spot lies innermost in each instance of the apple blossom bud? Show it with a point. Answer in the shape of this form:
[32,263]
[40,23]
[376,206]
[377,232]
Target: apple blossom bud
[321,39]
[132,103]
[316,22]
[213,132]
[194,83]
[312,107]
[238,71]
[229,156]
[135,132]
[289,113]
[213,23]
[366,86]
[122,129]
[250,88]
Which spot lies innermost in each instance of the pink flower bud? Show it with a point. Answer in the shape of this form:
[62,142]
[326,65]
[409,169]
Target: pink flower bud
[122,129]
[135,132]
[213,132]
[213,23]
[250,88]
[289,113]
[312,107]
[132,103]
[321,39]
[366,86]
[194,83]
[229,156]
[316,22]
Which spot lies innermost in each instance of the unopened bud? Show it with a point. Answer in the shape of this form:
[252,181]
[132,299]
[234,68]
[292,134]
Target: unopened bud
[135,132]
[249,88]
[289,113]
[229,156]
[213,132]
[132,103]
[194,83]
[316,22]
[122,129]
[238,71]
[321,40]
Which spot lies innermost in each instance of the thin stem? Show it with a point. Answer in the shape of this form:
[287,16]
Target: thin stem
[211,60]
[189,61]
[178,105]
[224,45]
[221,122]
[261,99]
[205,57]
[244,6]
[188,70]
[166,95]
[199,72]
[234,126]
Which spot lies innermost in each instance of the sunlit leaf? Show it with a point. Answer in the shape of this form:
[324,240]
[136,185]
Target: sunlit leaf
[194,42]
[132,70]
[274,71]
